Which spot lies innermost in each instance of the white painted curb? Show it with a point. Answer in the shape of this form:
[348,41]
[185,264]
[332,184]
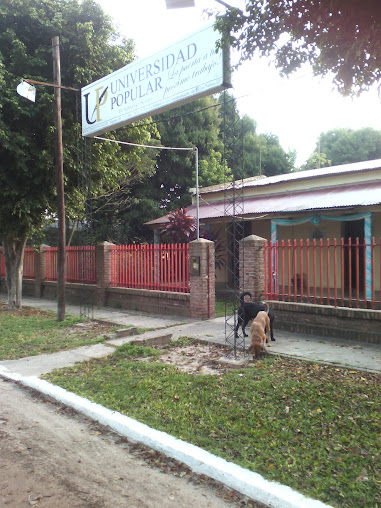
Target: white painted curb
[247,482]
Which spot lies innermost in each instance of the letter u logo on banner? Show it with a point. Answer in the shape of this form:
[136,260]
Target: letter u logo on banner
[101,99]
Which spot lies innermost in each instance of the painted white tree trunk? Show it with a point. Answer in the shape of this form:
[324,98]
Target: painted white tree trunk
[13,252]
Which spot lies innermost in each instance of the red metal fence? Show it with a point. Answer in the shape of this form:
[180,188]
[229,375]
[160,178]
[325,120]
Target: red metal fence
[51,254]
[163,267]
[344,273]
[29,267]
[80,264]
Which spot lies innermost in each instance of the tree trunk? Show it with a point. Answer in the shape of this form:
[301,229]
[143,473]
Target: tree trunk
[13,252]
[71,232]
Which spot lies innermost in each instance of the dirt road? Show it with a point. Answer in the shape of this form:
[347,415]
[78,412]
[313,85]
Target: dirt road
[52,457]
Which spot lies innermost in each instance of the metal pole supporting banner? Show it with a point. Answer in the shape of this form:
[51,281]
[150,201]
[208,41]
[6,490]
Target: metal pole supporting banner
[197,195]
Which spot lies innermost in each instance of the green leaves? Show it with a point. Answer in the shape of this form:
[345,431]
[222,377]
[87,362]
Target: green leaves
[194,124]
[343,146]
[312,427]
[334,37]
[90,48]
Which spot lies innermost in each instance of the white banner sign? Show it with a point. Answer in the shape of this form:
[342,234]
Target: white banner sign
[181,73]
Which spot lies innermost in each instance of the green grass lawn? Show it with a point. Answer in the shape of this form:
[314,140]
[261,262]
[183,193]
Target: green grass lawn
[315,428]
[220,307]
[31,332]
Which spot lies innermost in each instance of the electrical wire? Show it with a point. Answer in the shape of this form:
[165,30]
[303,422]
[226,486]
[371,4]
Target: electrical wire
[147,146]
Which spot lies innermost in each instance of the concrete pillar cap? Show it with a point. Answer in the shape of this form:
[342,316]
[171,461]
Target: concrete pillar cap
[201,240]
[253,238]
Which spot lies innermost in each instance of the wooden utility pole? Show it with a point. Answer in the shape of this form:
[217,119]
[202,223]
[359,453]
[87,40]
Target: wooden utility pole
[61,261]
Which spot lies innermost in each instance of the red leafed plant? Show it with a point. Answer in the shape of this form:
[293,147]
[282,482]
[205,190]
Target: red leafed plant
[180,228]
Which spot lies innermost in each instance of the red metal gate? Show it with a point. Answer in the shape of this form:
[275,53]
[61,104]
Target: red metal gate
[163,267]
[344,273]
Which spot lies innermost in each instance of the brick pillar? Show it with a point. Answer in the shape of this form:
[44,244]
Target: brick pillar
[40,271]
[103,270]
[202,279]
[251,250]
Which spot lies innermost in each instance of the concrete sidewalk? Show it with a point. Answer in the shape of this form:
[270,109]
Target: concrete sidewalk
[339,352]
[26,371]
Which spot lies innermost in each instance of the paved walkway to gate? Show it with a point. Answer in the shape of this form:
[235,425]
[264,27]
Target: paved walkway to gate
[339,352]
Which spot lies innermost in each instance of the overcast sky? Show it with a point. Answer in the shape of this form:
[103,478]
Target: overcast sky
[296,109]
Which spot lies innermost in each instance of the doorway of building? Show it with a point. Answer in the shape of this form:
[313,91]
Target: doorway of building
[241,232]
[353,256]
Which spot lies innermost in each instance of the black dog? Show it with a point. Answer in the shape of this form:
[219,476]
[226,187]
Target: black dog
[248,311]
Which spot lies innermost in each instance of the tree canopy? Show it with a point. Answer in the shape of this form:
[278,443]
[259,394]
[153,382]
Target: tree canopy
[343,146]
[168,186]
[334,36]
[315,161]
[227,143]
[90,49]
[191,125]
[246,151]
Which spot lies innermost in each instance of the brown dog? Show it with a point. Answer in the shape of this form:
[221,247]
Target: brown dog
[259,332]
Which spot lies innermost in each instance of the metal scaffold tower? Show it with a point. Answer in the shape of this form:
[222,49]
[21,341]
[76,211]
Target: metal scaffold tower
[233,214]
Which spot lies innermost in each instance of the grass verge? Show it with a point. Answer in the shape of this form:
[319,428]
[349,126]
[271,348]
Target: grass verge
[31,332]
[220,307]
[312,427]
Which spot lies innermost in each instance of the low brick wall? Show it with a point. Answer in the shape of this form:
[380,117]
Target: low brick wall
[156,302]
[74,293]
[198,304]
[326,321]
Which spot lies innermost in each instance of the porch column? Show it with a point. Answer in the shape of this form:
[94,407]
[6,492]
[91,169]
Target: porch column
[202,279]
[368,223]
[156,237]
[103,271]
[252,273]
